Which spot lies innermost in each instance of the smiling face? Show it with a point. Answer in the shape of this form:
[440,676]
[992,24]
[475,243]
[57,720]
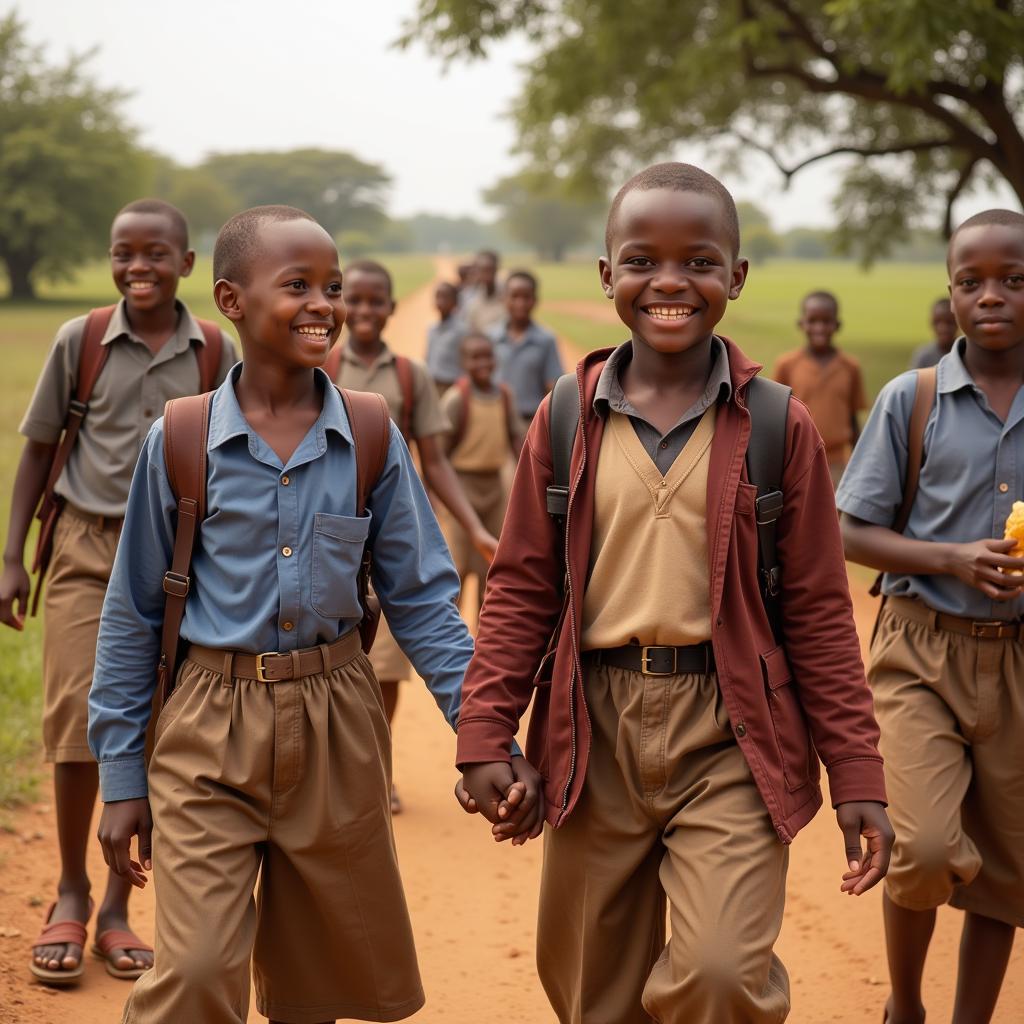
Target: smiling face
[986,275]
[478,360]
[819,320]
[147,257]
[671,269]
[290,309]
[369,302]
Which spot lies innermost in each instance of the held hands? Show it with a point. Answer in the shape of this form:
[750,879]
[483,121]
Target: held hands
[868,819]
[14,588]
[121,820]
[978,564]
[509,795]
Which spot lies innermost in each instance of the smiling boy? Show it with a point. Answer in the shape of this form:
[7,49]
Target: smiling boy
[947,659]
[670,725]
[152,350]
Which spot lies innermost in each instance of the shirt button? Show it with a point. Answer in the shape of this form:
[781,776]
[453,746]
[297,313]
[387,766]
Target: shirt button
[287,626]
[285,481]
[287,552]
[1003,488]
[663,445]
[741,730]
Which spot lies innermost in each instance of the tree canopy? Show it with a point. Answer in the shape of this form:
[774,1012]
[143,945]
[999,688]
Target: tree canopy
[926,95]
[67,161]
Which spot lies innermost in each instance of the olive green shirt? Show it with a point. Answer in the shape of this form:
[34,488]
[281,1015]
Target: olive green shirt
[129,396]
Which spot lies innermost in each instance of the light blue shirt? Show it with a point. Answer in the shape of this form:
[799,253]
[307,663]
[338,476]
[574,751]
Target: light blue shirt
[444,349]
[973,472]
[527,365]
[281,544]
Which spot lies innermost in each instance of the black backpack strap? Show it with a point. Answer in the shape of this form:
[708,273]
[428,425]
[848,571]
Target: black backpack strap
[768,403]
[564,421]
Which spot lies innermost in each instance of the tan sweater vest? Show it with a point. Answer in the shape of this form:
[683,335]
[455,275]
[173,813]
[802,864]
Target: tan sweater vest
[648,579]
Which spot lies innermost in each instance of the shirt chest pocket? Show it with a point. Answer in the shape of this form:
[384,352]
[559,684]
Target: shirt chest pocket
[338,543]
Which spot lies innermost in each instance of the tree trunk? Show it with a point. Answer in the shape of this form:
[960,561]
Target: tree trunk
[19,275]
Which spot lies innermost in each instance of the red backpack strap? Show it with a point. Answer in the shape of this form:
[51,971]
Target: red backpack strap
[370,421]
[332,364]
[407,386]
[186,427]
[91,359]
[209,356]
[459,427]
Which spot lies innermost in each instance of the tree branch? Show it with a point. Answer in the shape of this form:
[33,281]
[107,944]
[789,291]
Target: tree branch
[961,183]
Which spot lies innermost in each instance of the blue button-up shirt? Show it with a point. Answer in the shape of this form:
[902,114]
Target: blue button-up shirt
[973,472]
[527,365]
[281,544]
[444,348]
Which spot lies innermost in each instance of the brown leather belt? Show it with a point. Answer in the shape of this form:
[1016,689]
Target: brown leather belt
[659,661]
[100,522]
[272,667]
[982,629]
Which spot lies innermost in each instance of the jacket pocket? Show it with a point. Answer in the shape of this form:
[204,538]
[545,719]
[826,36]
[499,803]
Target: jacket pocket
[338,543]
[788,721]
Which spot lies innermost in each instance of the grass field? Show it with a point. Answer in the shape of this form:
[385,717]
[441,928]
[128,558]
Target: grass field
[26,331]
[884,312]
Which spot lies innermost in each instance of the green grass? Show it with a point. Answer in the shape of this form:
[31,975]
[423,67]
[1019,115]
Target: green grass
[884,311]
[26,331]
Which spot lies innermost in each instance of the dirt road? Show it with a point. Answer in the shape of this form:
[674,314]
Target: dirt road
[473,903]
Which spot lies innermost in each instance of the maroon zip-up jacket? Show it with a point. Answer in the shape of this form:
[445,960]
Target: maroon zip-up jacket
[785,703]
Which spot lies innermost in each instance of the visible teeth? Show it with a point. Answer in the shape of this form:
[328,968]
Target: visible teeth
[670,312]
[139,286]
[315,332]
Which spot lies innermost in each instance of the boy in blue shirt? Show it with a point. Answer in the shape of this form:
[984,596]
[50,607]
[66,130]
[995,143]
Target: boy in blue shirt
[287,778]
[947,658]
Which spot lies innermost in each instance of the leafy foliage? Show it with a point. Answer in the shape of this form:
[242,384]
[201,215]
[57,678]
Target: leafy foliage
[926,94]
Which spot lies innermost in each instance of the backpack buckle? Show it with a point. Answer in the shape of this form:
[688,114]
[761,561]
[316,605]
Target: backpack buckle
[175,584]
[771,581]
[557,500]
[768,508]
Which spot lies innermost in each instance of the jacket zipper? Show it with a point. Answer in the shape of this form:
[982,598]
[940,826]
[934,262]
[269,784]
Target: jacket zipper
[572,604]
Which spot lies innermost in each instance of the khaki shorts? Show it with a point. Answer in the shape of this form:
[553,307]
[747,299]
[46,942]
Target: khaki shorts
[488,495]
[289,783]
[387,659]
[83,555]
[951,711]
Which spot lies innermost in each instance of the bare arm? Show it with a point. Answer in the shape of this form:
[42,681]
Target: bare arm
[445,484]
[977,563]
[29,482]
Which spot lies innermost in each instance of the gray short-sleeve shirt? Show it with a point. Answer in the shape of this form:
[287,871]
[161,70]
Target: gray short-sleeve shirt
[527,365]
[973,472]
[129,395]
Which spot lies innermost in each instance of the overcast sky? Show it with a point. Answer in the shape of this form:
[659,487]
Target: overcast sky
[222,75]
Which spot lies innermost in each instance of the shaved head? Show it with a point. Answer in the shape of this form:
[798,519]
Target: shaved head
[238,242]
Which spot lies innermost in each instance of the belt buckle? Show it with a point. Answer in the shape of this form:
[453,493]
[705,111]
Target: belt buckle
[261,671]
[645,659]
[978,629]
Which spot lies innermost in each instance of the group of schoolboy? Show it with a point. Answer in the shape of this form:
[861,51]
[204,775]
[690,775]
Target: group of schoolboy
[668,591]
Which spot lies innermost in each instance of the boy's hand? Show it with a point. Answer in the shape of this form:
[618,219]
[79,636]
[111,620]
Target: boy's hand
[868,819]
[486,786]
[522,810]
[486,544]
[14,588]
[122,819]
[978,564]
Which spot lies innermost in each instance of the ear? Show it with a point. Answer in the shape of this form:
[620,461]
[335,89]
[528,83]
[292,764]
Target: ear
[187,263]
[604,269]
[228,297]
[739,277]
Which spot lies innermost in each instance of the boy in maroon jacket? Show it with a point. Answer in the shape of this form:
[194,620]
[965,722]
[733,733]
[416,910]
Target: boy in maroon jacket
[676,736]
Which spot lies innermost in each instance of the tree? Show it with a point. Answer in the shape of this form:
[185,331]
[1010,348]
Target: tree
[760,242]
[538,210]
[67,162]
[341,191]
[924,96]
[204,199]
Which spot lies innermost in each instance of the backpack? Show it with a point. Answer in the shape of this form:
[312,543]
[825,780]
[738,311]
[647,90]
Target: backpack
[768,403]
[459,432]
[91,359]
[406,384]
[186,427]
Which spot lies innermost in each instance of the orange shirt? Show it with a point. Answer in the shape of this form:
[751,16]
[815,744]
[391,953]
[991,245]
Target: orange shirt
[833,391]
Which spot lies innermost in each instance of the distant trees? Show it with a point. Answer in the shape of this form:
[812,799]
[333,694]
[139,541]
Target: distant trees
[67,160]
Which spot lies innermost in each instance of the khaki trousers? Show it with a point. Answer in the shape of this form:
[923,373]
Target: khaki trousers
[951,711]
[83,555]
[290,782]
[669,809]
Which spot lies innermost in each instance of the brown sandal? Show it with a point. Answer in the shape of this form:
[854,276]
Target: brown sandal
[59,933]
[106,942]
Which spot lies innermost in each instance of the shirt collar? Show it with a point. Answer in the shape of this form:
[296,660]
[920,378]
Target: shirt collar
[609,385]
[186,331]
[952,373]
[531,334]
[386,356]
[227,420]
